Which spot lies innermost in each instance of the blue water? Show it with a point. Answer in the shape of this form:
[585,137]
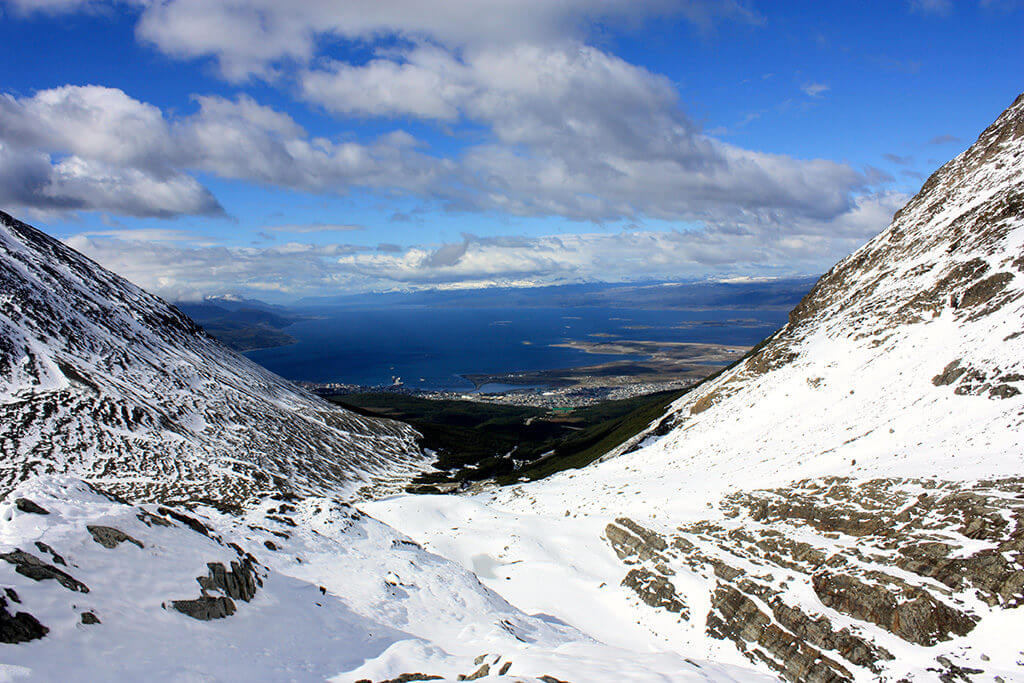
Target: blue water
[429,348]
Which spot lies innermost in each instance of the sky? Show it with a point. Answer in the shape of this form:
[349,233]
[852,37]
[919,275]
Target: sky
[285,149]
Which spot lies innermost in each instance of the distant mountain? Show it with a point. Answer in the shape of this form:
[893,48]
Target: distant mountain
[242,324]
[103,380]
[776,294]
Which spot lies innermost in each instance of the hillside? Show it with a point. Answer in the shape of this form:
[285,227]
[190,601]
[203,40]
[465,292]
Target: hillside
[844,504]
[104,381]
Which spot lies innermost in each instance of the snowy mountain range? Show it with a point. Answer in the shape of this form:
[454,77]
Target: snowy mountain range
[845,503]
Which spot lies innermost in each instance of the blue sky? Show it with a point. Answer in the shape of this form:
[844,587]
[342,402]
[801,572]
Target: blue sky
[284,149]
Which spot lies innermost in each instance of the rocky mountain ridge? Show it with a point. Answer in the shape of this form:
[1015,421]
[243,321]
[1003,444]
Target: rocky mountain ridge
[901,545]
[100,379]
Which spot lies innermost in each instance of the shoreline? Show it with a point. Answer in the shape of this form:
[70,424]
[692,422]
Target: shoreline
[658,366]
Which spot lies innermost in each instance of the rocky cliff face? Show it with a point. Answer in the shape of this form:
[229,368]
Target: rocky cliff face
[862,466]
[103,380]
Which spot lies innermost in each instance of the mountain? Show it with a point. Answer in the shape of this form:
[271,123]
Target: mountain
[242,324]
[777,294]
[104,381]
[846,502]
[174,512]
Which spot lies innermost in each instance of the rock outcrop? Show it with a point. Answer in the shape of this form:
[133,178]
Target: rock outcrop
[922,560]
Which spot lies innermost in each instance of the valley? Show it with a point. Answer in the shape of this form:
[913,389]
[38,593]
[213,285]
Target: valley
[788,482]
[478,442]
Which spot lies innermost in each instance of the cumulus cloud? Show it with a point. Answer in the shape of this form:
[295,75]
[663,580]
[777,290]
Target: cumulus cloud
[91,147]
[814,89]
[255,37]
[579,133]
[34,180]
[560,128]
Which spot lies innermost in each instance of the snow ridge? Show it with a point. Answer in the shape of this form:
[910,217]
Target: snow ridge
[101,379]
[929,311]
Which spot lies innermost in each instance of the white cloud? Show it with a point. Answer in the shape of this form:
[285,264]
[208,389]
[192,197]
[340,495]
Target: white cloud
[34,180]
[814,89]
[90,147]
[316,227]
[560,128]
[577,133]
[255,37]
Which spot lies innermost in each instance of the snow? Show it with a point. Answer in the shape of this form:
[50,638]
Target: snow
[387,606]
[115,385]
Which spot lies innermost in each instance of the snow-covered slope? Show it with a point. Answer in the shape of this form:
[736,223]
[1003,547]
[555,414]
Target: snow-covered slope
[843,504]
[103,380]
[238,559]
[291,589]
[907,358]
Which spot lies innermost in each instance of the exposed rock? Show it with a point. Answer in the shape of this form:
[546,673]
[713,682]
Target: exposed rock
[89,618]
[983,290]
[149,519]
[737,617]
[20,627]
[238,583]
[109,537]
[43,547]
[655,590]
[1003,391]
[405,678]
[26,505]
[911,613]
[205,607]
[484,670]
[949,374]
[952,673]
[882,552]
[31,566]
[191,522]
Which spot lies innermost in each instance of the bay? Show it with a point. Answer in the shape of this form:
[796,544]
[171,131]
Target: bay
[430,348]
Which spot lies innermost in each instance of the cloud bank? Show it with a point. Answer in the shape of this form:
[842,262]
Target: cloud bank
[177,269]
